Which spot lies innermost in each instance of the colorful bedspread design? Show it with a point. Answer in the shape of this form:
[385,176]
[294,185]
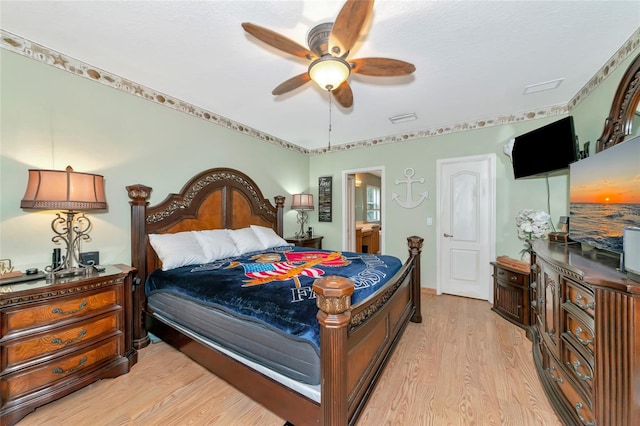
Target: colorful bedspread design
[274,287]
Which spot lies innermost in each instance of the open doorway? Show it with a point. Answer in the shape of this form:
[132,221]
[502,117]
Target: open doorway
[363,214]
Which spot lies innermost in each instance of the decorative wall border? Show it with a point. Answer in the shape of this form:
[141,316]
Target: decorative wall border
[32,50]
[24,47]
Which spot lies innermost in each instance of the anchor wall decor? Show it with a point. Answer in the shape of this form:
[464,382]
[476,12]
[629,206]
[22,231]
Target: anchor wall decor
[409,202]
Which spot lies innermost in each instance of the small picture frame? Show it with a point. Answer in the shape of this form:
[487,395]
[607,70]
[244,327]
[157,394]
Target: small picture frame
[324,198]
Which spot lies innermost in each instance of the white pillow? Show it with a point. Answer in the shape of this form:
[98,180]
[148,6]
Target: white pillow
[179,249]
[268,237]
[216,244]
[246,240]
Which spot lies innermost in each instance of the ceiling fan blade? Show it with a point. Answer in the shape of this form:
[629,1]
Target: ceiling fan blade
[343,95]
[381,67]
[292,83]
[348,25]
[278,41]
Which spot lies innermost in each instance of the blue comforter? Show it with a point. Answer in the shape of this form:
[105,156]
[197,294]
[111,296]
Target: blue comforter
[275,286]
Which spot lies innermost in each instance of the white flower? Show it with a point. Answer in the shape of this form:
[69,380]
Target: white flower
[532,224]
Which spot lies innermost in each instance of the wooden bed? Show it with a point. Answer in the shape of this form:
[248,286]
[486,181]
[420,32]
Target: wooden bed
[356,341]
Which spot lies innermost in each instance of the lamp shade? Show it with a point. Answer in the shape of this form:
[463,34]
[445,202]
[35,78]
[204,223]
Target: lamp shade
[329,72]
[64,190]
[302,202]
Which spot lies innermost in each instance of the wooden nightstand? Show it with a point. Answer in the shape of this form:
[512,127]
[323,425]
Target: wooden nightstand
[59,336]
[313,242]
[511,298]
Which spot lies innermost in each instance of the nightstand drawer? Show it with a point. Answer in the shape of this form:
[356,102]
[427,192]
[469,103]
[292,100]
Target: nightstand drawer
[19,319]
[311,242]
[16,353]
[509,277]
[47,374]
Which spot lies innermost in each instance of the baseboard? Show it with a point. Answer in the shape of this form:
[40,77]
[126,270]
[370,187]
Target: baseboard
[427,290]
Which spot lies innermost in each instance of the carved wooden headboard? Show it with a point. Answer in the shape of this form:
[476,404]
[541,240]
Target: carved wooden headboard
[219,198]
[625,103]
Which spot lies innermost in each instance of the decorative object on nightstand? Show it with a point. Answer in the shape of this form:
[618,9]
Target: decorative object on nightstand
[59,336]
[72,192]
[303,203]
[311,242]
[6,270]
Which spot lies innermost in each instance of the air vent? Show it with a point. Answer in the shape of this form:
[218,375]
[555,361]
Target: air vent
[541,87]
[403,118]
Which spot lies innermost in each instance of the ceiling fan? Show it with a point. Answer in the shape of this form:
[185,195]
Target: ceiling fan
[329,46]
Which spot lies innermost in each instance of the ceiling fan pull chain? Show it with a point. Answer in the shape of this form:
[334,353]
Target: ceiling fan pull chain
[329,93]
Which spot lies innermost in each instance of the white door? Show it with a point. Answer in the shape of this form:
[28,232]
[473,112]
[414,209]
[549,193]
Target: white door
[350,213]
[349,206]
[466,226]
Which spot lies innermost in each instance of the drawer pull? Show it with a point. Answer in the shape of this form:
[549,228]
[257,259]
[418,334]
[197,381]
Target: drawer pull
[576,365]
[61,312]
[584,342]
[557,379]
[58,341]
[582,306]
[59,370]
[584,422]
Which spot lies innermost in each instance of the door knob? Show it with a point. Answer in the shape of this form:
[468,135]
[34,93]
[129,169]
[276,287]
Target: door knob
[448,235]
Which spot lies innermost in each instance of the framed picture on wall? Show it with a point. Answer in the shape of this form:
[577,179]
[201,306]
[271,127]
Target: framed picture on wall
[324,198]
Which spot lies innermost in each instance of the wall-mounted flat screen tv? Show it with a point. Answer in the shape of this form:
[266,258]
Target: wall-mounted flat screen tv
[604,196]
[548,149]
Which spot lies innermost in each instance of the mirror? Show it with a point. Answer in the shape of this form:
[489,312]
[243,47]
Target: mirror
[624,108]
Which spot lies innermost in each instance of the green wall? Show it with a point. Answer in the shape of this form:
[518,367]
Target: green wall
[51,118]
[421,155]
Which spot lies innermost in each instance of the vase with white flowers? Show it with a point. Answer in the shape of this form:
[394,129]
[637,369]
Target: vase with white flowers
[531,225]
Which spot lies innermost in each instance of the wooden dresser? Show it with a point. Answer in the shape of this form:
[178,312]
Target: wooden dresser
[587,335]
[57,337]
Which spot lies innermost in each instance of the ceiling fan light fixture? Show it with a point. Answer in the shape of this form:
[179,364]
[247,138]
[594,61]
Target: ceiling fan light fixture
[329,72]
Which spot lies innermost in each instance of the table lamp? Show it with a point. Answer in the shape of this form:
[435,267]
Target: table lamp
[303,203]
[72,192]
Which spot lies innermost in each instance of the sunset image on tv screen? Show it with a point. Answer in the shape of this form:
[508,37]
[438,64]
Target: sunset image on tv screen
[605,196]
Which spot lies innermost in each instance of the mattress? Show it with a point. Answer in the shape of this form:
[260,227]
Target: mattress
[294,358]
[261,305]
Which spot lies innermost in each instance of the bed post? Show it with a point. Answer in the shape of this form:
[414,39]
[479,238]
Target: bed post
[139,195]
[279,199]
[415,248]
[334,302]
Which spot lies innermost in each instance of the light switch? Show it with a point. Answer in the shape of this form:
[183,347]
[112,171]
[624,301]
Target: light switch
[429,221]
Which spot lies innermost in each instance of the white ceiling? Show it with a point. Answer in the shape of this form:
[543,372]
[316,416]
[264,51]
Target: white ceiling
[473,58]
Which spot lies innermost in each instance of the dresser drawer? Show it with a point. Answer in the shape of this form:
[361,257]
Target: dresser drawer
[579,331]
[21,352]
[578,406]
[578,367]
[509,277]
[54,372]
[579,297]
[19,319]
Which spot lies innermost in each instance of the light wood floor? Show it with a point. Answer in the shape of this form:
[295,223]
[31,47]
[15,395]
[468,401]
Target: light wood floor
[464,365]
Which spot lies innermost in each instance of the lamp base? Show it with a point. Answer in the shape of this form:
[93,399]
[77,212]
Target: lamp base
[302,219]
[69,272]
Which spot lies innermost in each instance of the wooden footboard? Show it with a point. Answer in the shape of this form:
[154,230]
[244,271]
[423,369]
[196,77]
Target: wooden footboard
[356,341]
[360,339]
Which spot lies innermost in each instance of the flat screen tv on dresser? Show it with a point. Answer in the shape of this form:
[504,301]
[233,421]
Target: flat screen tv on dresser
[604,196]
